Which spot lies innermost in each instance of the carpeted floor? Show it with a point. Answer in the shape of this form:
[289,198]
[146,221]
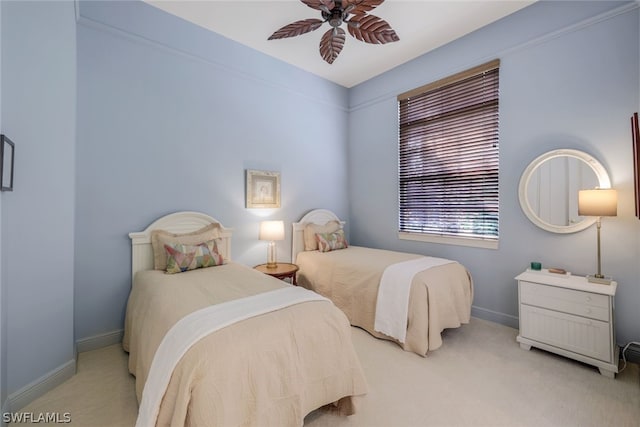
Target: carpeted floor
[479,377]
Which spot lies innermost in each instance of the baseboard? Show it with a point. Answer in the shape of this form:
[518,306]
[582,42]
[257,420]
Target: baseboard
[99,341]
[494,316]
[37,388]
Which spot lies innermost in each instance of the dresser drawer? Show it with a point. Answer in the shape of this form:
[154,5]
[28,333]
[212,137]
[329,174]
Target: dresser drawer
[580,303]
[574,333]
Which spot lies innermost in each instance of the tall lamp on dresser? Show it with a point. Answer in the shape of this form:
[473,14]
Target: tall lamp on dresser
[598,202]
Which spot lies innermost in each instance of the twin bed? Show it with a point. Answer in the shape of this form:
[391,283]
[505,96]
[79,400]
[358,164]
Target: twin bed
[219,343]
[227,345]
[437,294]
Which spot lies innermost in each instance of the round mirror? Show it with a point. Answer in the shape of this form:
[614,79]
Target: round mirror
[549,188]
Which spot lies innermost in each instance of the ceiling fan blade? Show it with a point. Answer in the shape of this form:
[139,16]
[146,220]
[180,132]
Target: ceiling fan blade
[360,7]
[320,4]
[297,28]
[372,29]
[331,44]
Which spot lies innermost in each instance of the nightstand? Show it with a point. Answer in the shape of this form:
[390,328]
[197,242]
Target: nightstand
[570,316]
[282,271]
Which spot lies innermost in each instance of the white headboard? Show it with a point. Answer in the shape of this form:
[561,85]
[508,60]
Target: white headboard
[316,216]
[179,222]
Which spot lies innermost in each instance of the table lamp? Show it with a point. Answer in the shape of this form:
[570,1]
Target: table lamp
[271,231]
[598,202]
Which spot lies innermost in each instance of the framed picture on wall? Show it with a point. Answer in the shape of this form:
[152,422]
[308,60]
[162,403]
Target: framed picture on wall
[7,156]
[635,136]
[263,189]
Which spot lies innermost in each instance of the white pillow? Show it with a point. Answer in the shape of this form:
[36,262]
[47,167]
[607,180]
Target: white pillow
[310,231]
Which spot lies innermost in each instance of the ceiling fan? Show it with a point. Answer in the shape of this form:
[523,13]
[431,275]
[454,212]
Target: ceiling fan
[361,25]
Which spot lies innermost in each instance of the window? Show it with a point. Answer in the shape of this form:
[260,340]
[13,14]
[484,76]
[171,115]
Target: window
[448,159]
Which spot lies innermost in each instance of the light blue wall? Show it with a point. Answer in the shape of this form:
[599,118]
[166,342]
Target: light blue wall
[157,131]
[169,118]
[38,114]
[569,78]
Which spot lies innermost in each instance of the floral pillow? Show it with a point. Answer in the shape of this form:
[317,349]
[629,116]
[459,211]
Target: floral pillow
[182,257]
[331,241]
[160,238]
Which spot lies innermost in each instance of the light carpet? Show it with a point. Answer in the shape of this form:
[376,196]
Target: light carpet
[479,377]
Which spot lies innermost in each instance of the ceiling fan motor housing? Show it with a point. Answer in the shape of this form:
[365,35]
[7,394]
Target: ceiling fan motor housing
[334,17]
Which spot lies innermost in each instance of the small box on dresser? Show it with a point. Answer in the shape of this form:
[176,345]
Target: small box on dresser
[569,316]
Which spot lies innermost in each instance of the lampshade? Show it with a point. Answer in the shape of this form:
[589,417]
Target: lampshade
[598,202]
[271,230]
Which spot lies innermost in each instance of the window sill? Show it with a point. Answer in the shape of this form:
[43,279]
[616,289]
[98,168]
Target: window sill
[447,240]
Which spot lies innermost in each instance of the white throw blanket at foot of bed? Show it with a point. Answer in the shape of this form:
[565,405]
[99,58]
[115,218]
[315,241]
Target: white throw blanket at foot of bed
[199,324]
[392,306]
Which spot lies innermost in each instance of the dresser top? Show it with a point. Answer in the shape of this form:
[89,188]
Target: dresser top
[568,281]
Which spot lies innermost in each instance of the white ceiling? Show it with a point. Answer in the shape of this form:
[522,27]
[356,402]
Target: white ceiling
[422,25]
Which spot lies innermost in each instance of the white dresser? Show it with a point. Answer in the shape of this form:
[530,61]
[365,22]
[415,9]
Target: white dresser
[570,316]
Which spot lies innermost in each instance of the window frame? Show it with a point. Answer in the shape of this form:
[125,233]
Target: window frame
[444,236]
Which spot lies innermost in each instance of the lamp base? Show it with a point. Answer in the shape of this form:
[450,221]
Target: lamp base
[599,279]
[271,255]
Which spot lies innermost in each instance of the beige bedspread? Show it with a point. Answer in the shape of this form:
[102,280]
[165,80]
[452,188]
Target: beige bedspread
[440,297]
[271,369]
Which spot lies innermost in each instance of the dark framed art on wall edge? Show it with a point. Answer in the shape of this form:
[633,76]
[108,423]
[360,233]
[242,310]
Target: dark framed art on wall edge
[635,136]
[7,158]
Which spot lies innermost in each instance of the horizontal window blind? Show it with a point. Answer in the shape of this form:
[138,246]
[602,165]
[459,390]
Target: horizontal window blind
[448,156]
